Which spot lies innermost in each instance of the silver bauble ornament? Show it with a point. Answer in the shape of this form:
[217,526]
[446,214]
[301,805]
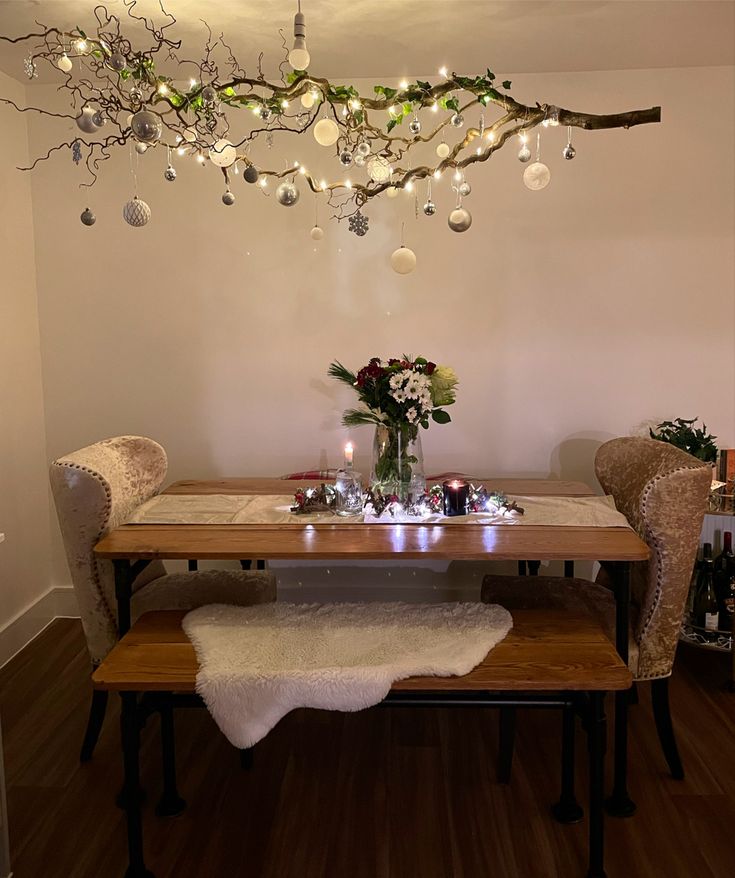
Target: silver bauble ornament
[363,147]
[317,233]
[147,126]
[170,174]
[140,148]
[524,154]
[414,126]
[457,120]
[136,212]
[460,219]
[87,217]
[429,208]
[287,194]
[228,198]
[209,95]
[464,188]
[117,61]
[265,113]
[99,118]
[135,95]
[359,160]
[569,152]
[250,174]
[85,120]
[536,176]
[345,158]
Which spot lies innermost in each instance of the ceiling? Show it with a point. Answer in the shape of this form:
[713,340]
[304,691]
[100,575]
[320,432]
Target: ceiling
[392,38]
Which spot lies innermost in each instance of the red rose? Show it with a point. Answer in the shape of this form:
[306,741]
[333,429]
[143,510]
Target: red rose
[430,368]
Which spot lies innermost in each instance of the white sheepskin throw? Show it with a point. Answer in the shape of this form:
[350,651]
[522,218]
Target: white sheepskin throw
[258,663]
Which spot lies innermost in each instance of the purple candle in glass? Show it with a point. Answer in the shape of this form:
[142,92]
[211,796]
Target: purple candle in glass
[456,496]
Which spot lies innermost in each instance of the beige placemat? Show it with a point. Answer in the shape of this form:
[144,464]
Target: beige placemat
[275,509]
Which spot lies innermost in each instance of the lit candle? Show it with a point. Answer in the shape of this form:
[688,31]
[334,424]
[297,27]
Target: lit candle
[456,496]
[349,451]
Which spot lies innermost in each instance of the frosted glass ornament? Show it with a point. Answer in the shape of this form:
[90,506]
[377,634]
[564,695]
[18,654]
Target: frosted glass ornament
[85,120]
[317,233]
[536,176]
[326,132]
[222,154]
[379,169]
[403,260]
[147,126]
[460,219]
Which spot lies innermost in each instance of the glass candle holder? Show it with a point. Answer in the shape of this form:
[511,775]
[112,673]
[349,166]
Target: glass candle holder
[456,495]
[348,487]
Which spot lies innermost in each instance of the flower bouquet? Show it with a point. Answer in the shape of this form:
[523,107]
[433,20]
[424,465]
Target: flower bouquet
[398,396]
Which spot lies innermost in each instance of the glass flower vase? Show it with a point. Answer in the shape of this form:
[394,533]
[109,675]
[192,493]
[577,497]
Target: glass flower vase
[398,462]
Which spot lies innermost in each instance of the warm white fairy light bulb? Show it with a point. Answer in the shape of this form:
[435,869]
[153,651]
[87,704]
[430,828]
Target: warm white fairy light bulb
[80,46]
[443,72]
[200,159]
[299,57]
[394,109]
[435,107]
[348,184]
[262,182]
[523,137]
[181,150]
[409,186]
[284,104]
[162,89]
[404,85]
[437,174]
[192,83]
[457,175]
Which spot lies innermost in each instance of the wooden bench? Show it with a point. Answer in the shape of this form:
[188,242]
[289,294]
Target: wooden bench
[551,660]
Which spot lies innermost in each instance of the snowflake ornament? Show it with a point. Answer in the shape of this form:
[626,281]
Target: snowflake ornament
[29,65]
[358,223]
[76,152]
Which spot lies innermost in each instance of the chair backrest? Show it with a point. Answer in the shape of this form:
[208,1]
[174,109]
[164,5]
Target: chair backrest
[95,490]
[663,492]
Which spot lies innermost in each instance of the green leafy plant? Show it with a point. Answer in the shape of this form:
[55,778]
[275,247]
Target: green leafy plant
[683,434]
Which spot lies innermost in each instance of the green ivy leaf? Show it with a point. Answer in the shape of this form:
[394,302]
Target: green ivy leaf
[506,83]
[391,124]
[490,74]
[439,416]
[452,104]
[424,86]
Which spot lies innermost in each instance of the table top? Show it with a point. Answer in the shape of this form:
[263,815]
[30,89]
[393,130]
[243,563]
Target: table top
[543,652]
[303,540]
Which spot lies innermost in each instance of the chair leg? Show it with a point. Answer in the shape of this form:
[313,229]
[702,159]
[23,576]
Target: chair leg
[596,742]
[567,809]
[170,804]
[97,710]
[507,733]
[533,568]
[130,727]
[664,726]
[246,758]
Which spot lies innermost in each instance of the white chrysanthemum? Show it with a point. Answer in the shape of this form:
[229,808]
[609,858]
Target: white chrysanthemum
[396,381]
[398,394]
[411,415]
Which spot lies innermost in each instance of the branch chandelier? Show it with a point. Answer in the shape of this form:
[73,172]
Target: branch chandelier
[121,95]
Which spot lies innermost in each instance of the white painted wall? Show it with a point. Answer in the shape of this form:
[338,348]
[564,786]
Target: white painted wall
[24,499]
[571,315]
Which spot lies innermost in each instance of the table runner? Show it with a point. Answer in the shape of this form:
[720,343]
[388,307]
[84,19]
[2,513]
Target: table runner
[274,509]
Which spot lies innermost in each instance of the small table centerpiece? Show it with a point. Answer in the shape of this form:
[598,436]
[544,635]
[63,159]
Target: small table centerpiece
[398,396]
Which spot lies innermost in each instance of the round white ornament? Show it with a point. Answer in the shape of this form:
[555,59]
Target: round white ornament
[64,63]
[307,100]
[443,150]
[317,233]
[222,154]
[140,148]
[379,169]
[403,260]
[136,212]
[460,219]
[326,132]
[536,176]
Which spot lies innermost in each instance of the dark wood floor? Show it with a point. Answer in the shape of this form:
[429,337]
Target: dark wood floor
[379,794]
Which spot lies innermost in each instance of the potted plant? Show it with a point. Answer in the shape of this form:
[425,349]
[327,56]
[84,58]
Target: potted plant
[683,434]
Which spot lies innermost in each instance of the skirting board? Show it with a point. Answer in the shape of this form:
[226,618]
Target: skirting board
[17,633]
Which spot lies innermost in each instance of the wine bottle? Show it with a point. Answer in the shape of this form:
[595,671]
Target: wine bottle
[706,609]
[725,582]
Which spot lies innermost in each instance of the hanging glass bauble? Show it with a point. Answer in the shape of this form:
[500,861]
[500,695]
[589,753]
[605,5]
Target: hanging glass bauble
[147,126]
[250,174]
[140,148]
[524,154]
[287,194]
[359,159]
[326,132]
[87,217]
[457,120]
[379,169]
[117,61]
[222,154]
[345,158]
[460,219]
[403,260]
[363,147]
[209,95]
[135,95]
[136,212]
[536,176]
[414,126]
[265,113]
[464,188]
[429,208]
[443,150]
[569,152]
[99,118]
[85,120]
[228,198]
[317,233]
[170,174]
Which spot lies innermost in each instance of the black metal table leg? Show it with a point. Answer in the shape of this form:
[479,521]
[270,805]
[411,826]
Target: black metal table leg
[130,725]
[533,568]
[567,809]
[596,739]
[569,569]
[619,804]
[125,575]
[170,804]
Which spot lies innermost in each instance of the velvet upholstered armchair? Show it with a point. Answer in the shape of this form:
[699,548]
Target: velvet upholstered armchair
[95,490]
[663,493]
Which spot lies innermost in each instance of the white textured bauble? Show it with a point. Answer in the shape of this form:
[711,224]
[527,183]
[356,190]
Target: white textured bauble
[307,100]
[228,198]
[443,150]
[403,260]
[460,219]
[140,148]
[536,176]
[326,132]
[136,212]
[222,154]
[524,154]
[359,159]
[190,135]
[87,217]
[317,233]
[147,126]
[379,169]
[391,192]
[64,63]
[85,120]
[287,194]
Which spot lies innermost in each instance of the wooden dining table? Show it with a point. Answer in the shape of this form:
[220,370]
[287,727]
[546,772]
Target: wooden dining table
[132,546]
